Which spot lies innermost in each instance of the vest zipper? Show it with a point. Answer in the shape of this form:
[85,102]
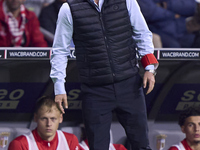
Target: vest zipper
[106,43]
[105,38]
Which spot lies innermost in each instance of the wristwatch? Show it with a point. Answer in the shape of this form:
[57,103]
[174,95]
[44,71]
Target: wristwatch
[152,71]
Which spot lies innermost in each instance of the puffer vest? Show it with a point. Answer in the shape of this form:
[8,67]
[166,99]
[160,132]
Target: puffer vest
[104,47]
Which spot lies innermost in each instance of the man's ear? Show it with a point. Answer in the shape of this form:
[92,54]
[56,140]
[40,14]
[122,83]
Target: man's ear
[183,129]
[61,118]
[35,117]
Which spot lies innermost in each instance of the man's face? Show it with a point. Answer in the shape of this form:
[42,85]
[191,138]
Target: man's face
[14,5]
[192,129]
[48,120]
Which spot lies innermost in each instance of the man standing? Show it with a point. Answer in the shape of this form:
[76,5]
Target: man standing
[107,34]
[46,136]
[189,121]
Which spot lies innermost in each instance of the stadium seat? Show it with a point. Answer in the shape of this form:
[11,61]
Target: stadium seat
[6,136]
[171,137]
[77,131]
[20,131]
[74,130]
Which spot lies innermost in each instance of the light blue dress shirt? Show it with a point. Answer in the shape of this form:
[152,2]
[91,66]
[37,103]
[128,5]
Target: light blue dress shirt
[63,37]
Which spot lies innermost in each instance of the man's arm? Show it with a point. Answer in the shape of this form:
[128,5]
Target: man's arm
[153,12]
[173,148]
[60,51]
[143,38]
[178,6]
[20,143]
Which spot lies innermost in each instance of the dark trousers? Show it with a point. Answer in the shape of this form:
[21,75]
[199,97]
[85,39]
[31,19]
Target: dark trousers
[126,98]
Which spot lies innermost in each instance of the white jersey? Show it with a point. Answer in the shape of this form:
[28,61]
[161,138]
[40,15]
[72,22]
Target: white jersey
[62,142]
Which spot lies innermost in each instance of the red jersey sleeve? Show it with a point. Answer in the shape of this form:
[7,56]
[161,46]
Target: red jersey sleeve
[119,147]
[173,148]
[19,143]
[72,141]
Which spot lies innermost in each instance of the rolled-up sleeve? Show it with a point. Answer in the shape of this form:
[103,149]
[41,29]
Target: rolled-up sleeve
[141,33]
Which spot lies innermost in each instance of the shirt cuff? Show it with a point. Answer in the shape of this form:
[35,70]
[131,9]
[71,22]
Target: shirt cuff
[150,67]
[59,88]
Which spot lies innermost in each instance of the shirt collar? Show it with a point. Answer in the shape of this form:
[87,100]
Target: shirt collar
[39,139]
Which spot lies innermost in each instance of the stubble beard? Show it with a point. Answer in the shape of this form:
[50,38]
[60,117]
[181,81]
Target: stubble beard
[196,141]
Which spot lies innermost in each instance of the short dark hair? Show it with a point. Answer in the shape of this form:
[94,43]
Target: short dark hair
[45,101]
[191,111]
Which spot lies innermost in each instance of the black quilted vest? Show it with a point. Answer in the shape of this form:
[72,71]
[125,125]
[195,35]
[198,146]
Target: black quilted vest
[105,49]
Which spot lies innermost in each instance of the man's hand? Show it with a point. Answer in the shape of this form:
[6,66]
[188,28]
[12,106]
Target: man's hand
[61,99]
[150,79]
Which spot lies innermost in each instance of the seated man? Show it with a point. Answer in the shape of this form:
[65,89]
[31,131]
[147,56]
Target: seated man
[46,136]
[189,121]
[167,19]
[19,26]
